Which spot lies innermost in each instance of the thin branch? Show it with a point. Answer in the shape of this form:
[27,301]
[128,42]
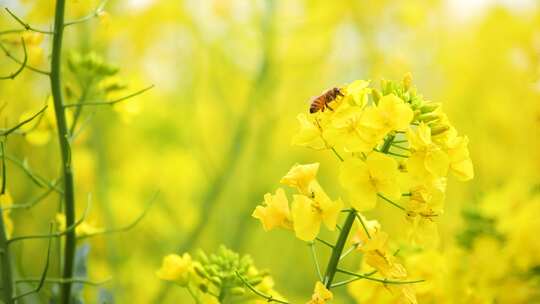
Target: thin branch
[363,225]
[268,298]
[316,261]
[93,14]
[353,247]
[56,234]
[337,154]
[23,64]
[352,280]
[35,200]
[397,154]
[22,123]
[43,277]
[64,281]
[391,202]
[399,141]
[384,281]
[400,147]
[8,54]
[325,242]
[26,25]
[127,227]
[7,32]
[108,103]
[37,179]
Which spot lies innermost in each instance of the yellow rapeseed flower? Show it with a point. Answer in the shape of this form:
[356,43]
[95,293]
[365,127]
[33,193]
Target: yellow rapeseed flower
[363,180]
[275,211]
[308,214]
[320,295]
[300,177]
[390,114]
[427,160]
[309,134]
[347,132]
[176,268]
[358,91]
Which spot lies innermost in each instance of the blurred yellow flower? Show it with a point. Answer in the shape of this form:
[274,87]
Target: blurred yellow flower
[363,180]
[275,211]
[320,295]
[176,269]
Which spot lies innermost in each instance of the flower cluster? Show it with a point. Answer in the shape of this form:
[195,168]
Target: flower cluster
[215,277]
[394,146]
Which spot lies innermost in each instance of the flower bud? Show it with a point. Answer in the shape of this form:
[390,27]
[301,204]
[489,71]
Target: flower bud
[429,107]
[199,269]
[216,280]
[428,117]
[439,129]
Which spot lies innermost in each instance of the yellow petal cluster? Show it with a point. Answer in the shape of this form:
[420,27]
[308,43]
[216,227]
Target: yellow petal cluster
[176,268]
[321,294]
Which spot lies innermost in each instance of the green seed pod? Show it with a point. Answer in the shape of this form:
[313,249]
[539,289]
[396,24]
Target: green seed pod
[237,291]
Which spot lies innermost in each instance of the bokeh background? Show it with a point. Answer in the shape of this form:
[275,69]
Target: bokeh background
[214,134]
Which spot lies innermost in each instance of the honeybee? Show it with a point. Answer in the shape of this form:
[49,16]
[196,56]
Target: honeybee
[320,103]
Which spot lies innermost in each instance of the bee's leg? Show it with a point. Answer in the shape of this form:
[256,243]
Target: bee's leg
[330,108]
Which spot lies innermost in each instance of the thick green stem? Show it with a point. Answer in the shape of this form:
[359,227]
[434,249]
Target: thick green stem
[387,143]
[63,138]
[7,277]
[338,249]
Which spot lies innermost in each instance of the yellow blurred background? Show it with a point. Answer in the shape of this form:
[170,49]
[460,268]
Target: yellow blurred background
[214,133]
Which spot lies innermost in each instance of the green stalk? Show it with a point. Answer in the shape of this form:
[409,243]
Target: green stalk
[63,139]
[332,267]
[7,277]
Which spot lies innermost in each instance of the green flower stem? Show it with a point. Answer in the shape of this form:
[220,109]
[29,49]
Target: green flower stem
[391,202]
[7,277]
[363,225]
[268,298]
[315,260]
[338,249]
[65,149]
[387,143]
[384,281]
